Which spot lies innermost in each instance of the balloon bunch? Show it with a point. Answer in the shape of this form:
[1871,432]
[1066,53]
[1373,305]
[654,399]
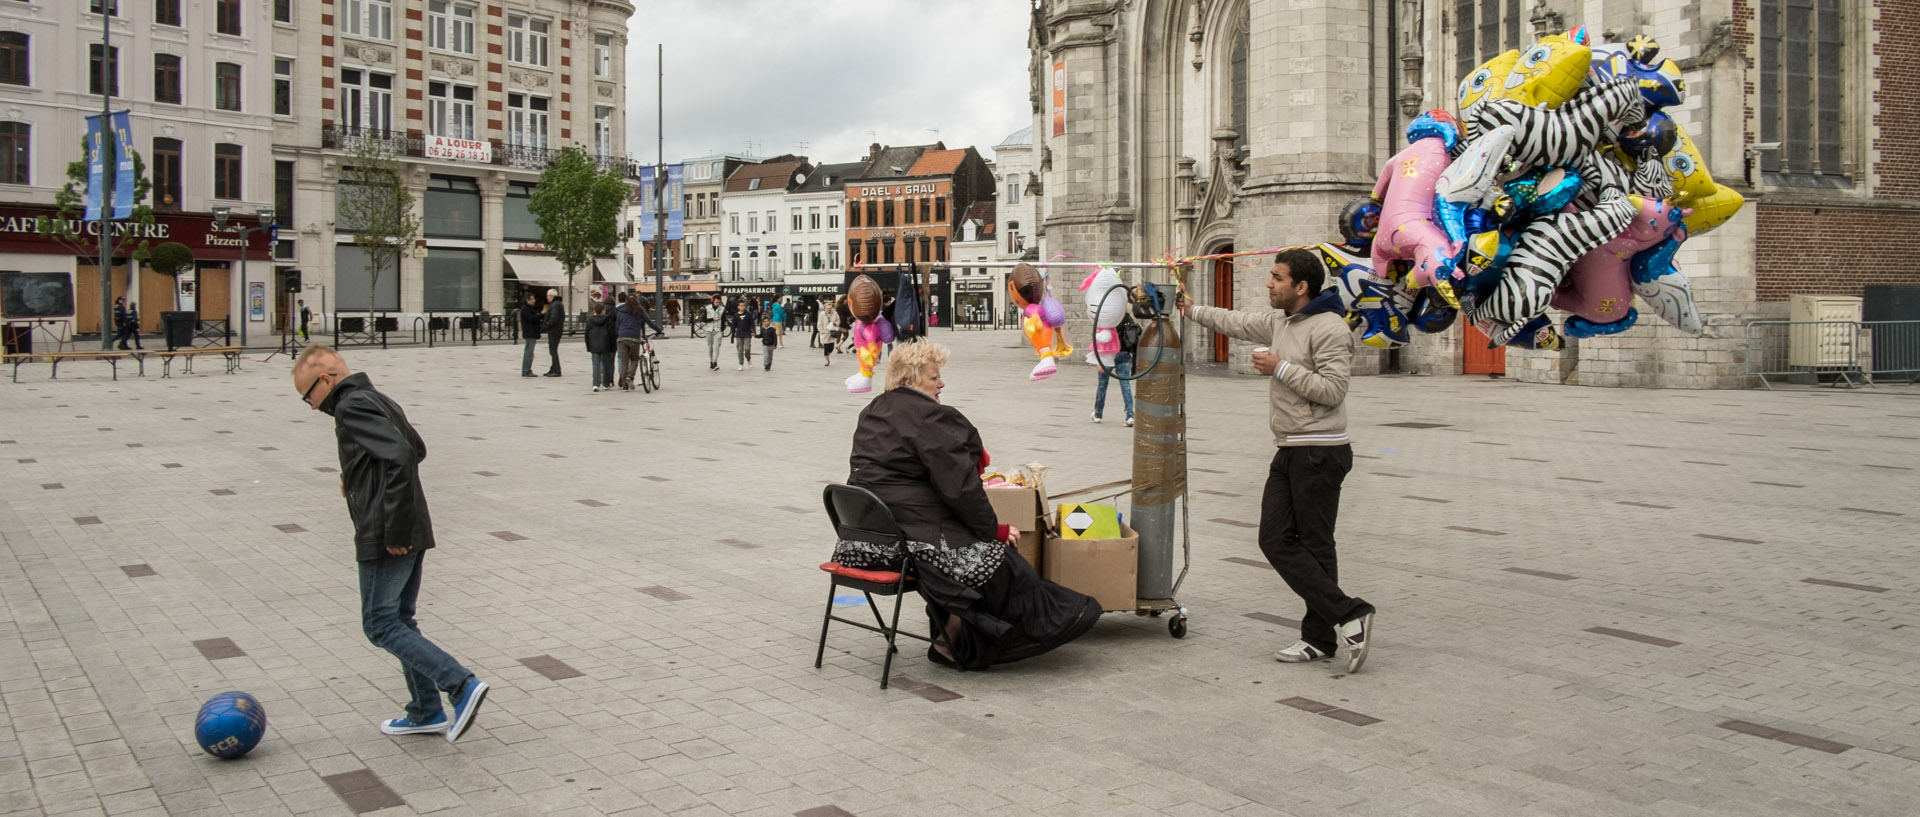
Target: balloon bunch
[1041,317]
[1561,182]
[870,330]
[1107,305]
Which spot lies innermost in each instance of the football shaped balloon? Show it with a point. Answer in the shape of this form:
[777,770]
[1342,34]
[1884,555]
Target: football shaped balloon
[864,298]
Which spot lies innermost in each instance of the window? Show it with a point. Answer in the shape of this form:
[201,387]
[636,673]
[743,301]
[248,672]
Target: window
[603,55]
[813,218]
[735,261]
[226,172]
[354,284]
[16,153]
[527,121]
[702,171]
[833,219]
[798,262]
[753,184]
[1477,31]
[372,19]
[887,252]
[753,222]
[450,26]
[1802,95]
[519,221]
[226,86]
[166,78]
[450,110]
[926,204]
[939,211]
[925,255]
[886,212]
[1013,192]
[366,101]
[906,212]
[282,86]
[166,173]
[797,224]
[14,65]
[283,11]
[283,192]
[166,12]
[450,280]
[940,249]
[733,223]
[112,7]
[603,130]
[226,17]
[700,206]
[527,39]
[452,207]
[833,255]
[853,215]
[94,71]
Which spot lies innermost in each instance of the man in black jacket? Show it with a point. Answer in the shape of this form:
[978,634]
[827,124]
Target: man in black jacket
[529,332]
[556,320]
[380,458]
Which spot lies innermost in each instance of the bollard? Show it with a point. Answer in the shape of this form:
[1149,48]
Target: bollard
[1159,455]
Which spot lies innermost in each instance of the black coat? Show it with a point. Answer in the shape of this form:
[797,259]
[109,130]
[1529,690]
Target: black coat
[922,459]
[740,325]
[555,319]
[380,458]
[600,333]
[529,322]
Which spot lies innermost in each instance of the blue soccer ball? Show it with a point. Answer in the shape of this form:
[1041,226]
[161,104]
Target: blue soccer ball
[230,724]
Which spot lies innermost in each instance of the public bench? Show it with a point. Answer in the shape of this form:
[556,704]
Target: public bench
[56,358]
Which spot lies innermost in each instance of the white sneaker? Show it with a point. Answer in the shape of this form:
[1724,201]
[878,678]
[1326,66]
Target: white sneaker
[1300,652]
[1357,635]
[1129,422]
[596,389]
[1096,418]
[740,368]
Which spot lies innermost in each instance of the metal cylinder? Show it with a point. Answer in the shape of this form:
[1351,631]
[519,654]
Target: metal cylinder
[1159,455]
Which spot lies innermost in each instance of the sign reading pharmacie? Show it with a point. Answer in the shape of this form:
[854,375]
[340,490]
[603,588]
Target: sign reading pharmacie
[459,150]
[21,225]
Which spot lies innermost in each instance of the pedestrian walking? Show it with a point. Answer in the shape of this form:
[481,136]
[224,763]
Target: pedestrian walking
[555,324]
[126,323]
[769,340]
[1308,359]
[600,345]
[306,317]
[529,332]
[1122,365]
[380,457]
[813,321]
[714,334]
[740,328]
[779,314]
[630,323]
[133,325]
[843,317]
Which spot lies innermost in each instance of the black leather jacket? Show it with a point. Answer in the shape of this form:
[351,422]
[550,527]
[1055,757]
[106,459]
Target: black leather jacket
[530,322]
[380,458]
[556,319]
[922,459]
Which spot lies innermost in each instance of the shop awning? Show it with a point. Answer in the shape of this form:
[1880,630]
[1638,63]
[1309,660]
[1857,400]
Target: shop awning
[537,270]
[611,271]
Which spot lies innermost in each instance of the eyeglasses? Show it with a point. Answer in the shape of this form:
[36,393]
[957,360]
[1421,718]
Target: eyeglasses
[307,397]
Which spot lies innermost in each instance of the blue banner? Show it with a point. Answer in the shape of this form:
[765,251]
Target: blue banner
[676,201]
[123,181]
[647,203]
[96,166]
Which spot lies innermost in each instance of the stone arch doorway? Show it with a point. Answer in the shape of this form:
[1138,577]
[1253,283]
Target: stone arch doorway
[1222,296]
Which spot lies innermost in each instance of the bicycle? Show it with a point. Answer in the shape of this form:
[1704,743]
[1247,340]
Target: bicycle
[647,366]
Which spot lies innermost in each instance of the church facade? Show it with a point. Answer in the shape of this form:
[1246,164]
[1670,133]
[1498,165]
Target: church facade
[1196,127]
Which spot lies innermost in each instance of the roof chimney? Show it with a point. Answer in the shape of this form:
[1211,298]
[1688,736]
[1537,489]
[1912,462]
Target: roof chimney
[873,151]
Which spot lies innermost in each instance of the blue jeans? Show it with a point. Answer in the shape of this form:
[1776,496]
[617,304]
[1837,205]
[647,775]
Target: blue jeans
[766,359]
[602,369]
[526,360]
[389,588]
[1122,365]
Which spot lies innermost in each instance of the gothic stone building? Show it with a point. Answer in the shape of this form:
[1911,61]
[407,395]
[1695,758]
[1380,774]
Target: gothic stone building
[1220,125]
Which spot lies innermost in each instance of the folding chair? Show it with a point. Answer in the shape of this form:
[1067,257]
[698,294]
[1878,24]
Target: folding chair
[860,516]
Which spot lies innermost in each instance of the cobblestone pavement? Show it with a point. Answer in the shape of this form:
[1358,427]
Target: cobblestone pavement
[1593,602]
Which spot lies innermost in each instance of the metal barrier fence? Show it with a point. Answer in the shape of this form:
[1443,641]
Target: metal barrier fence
[1836,352]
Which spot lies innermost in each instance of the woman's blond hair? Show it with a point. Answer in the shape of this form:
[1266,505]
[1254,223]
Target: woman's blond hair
[913,362]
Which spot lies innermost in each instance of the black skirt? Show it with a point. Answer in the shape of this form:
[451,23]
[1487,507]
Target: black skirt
[1014,614]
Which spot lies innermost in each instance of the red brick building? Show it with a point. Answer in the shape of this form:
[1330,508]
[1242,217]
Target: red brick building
[907,205]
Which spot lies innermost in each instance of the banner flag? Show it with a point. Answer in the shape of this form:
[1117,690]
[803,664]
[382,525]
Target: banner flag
[676,201]
[647,219]
[123,181]
[96,166]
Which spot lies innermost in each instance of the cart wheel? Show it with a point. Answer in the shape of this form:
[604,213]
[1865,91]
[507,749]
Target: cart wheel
[1177,626]
[1155,613]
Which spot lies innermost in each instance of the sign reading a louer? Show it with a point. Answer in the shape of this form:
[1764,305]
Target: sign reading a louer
[462,150]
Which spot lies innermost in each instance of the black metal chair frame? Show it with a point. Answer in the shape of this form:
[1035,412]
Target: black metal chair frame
[907,583]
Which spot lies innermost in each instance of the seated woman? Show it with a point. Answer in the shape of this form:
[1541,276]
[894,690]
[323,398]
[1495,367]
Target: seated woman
[923,460]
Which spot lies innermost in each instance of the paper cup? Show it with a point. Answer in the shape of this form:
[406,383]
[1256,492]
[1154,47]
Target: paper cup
[1261,350]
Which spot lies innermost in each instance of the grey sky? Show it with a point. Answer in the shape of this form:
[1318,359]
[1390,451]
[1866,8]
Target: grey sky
[826,73]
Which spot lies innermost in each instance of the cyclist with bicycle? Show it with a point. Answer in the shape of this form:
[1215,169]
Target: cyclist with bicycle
[631,325]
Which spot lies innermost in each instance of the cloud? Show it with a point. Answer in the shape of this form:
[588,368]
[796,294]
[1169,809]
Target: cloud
[824,78]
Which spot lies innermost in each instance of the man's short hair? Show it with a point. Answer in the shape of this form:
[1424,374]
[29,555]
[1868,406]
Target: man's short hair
[1304,265]
[553,293]
[317,356]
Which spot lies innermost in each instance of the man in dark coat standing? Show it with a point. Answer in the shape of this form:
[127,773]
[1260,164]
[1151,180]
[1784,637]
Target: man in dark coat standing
[529,332]
[555,323]
[380,458]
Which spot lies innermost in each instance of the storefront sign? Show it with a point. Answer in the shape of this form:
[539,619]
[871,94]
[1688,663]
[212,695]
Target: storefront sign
[899,190]
[460,150]
[20,226]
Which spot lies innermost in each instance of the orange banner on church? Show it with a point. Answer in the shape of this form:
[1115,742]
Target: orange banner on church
[1060,98]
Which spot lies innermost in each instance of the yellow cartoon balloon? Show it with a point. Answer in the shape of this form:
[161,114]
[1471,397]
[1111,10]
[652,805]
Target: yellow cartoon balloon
[1490,75]
[1712,203]
[1549,72]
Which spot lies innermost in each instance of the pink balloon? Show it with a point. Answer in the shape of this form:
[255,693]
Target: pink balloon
[1599,287]
[1407,229]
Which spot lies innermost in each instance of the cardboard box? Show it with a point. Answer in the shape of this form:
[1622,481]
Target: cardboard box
[1023,510]
[1106,569]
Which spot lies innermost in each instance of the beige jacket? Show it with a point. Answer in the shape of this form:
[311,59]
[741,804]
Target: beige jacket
[1308,393]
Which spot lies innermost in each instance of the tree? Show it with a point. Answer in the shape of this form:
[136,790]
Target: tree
[577,206]
[374,202]
[69,227]
[172,259]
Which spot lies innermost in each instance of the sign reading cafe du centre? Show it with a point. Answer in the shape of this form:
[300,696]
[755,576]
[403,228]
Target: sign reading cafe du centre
[461,150]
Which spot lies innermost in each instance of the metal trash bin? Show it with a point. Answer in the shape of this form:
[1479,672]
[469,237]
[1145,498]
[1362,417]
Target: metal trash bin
[177,327]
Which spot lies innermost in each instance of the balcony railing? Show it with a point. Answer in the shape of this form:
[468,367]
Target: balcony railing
[349,138]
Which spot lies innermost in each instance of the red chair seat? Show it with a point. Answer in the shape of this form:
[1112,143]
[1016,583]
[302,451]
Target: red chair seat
[875,576]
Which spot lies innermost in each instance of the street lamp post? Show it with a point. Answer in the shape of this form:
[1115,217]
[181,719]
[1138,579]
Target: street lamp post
[220,216]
